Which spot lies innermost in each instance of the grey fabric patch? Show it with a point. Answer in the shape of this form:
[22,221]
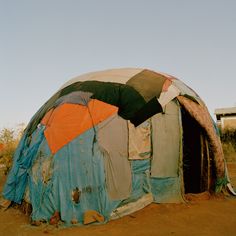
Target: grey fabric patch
[113,142]
[166,137]
[78,97]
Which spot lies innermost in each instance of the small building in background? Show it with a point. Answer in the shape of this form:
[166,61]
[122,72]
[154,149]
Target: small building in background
[226,118]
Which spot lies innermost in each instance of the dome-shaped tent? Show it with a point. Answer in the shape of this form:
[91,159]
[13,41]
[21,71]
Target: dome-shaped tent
[108,143]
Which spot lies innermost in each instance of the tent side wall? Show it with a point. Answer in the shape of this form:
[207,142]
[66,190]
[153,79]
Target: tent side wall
[166,173]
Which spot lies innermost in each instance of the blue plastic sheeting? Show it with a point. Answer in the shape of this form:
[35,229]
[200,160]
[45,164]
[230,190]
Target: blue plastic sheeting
[77,166]
[40,182]
[73,166]
[25,154]
[166,190]
[140,180]
[140,166]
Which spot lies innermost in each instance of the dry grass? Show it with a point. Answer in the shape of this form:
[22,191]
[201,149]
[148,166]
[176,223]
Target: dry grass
[228,138]
[229,152]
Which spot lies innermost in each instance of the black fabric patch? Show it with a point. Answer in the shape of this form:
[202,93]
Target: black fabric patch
[151,108]
[132,105]
[126,98]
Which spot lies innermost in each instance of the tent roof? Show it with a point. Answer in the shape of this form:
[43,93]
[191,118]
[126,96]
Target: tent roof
[118,75]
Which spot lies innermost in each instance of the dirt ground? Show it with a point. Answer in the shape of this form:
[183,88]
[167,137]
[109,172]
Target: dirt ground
[202,215]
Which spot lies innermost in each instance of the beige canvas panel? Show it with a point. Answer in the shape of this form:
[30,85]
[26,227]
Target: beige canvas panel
[167,96]
[113,142]
[140,146]
[114,75]
[166,142]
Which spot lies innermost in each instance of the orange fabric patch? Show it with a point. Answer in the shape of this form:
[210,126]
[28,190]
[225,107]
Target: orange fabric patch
[47,117]
[67,121]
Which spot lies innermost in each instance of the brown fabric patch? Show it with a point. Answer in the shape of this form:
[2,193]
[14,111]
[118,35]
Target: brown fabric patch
[148,83]
[201,115]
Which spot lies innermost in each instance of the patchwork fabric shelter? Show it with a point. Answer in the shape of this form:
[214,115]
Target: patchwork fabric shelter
[111,142]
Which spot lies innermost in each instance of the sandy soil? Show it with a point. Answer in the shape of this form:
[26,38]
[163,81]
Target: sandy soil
[202,215]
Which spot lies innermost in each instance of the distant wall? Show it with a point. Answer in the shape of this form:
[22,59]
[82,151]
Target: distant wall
[228,123]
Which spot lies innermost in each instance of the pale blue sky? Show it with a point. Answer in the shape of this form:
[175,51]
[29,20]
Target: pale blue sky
[44,43]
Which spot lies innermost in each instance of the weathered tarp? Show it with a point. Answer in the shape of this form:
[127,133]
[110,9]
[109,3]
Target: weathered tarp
[166,138]
[72,167]
[113,142]
[167,190]
[24,157]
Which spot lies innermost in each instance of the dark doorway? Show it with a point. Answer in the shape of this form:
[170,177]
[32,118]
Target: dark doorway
[191,154]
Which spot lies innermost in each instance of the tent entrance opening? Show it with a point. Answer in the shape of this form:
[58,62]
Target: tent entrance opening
[196,162]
